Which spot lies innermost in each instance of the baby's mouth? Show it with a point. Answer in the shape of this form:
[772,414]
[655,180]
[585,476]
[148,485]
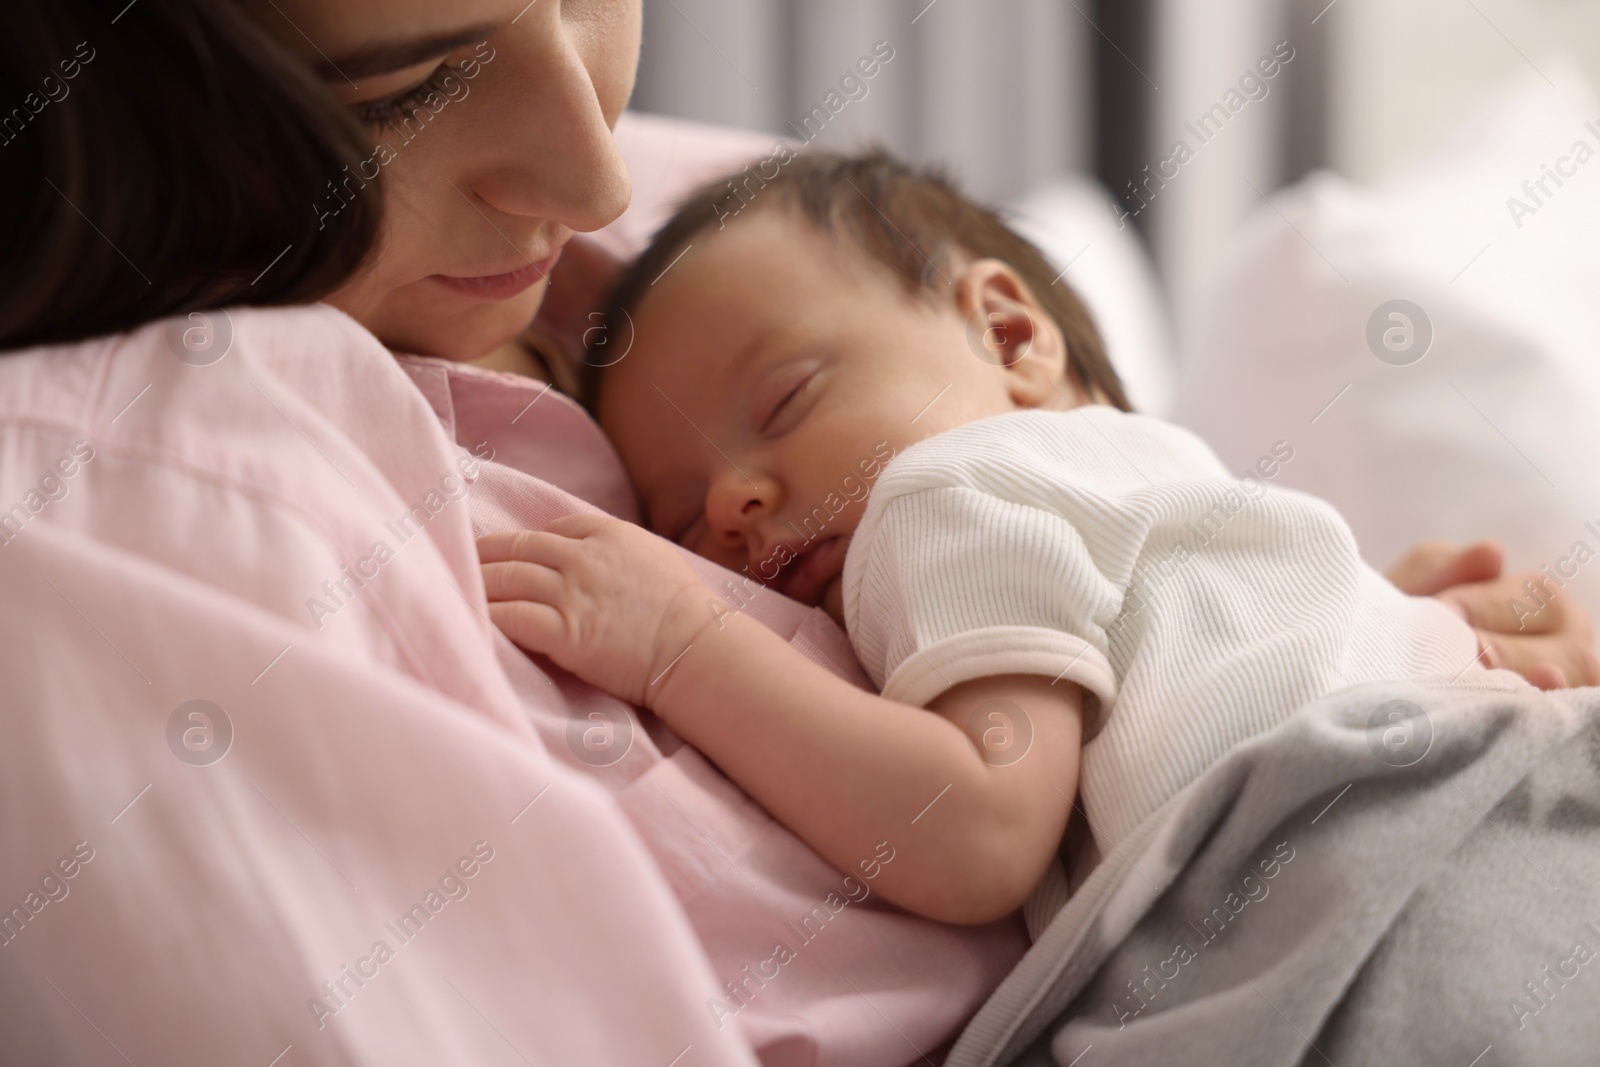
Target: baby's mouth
[812,566]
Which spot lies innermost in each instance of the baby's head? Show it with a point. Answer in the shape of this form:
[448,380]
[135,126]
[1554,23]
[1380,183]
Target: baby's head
[791,332]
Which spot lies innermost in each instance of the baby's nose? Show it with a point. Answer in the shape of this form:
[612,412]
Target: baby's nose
[736,500]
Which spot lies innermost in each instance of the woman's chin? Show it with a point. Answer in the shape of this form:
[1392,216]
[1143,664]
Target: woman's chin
[428,319]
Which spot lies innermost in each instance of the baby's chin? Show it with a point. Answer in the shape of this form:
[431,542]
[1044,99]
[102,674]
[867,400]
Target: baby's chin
[833,599]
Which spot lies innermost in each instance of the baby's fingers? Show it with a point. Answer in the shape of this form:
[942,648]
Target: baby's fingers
[534,627]
[1549,662]
[1434,566]
[579,525]
[1505,605]
[515,580]
[528,546]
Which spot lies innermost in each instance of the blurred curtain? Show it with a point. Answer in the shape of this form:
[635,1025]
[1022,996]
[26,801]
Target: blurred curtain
[1013,93]
[1206,54]
[1000,89]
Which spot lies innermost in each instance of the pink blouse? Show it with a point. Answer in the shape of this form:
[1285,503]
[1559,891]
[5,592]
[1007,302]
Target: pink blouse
[274,791]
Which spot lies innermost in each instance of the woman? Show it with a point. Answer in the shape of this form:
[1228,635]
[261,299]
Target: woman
[273,786]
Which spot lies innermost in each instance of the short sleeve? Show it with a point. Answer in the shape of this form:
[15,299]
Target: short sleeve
[952,583]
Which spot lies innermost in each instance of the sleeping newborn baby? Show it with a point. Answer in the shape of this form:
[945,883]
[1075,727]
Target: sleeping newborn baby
[1052,593]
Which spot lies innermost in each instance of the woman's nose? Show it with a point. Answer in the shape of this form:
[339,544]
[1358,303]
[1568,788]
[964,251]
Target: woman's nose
[556,157]
[736,505]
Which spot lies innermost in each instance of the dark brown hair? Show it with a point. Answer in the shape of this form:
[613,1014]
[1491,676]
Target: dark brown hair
[909,220]
[160,157]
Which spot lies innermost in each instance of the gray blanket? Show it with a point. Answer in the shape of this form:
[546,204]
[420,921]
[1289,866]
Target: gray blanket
[1402,873]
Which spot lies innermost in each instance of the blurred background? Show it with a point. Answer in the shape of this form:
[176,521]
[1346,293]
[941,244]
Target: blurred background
[1012,93]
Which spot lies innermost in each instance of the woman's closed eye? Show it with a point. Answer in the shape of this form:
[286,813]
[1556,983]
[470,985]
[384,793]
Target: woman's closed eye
[378,112]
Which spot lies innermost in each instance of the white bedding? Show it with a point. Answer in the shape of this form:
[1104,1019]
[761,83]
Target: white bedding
[1491,429]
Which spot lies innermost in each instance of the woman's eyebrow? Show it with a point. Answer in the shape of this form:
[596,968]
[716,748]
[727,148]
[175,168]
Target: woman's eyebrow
[390,56]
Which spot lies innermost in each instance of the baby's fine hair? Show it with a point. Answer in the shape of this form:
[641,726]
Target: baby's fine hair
[910,220]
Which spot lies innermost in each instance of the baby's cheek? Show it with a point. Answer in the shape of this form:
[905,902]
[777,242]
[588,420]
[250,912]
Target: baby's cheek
[706,545]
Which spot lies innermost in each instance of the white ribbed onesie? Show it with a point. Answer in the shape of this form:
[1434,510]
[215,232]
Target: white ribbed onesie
[1115,551]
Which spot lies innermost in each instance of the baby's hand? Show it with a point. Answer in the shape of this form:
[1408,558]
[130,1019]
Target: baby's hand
[607,600]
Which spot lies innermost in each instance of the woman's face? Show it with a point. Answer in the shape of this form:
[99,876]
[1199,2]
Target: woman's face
[491,128]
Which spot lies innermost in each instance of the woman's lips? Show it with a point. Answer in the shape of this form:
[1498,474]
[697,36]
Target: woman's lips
[806,577]
[500,286]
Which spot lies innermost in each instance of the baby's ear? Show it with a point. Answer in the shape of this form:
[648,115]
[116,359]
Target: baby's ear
[1009,329]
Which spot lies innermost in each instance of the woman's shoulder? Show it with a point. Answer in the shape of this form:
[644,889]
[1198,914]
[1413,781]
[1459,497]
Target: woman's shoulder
[275,405]
[198,387]
[272,456]
[74,384]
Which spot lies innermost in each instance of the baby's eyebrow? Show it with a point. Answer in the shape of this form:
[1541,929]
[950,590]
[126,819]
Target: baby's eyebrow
[775,338]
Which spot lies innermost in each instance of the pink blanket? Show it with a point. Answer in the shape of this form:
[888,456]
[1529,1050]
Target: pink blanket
[273,791]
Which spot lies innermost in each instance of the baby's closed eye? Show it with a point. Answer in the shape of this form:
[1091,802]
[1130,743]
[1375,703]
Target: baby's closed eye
[779,402]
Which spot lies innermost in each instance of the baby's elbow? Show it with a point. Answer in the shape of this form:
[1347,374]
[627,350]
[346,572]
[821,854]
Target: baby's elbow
[982,892]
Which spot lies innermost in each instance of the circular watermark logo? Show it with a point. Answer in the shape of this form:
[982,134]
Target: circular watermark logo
[199,732]
[1399,733]
[604,342]
[1001,731]
[200,338]
[1399,332]
[600,735]
[990,339]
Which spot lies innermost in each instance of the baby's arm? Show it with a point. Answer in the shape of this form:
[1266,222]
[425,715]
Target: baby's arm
[842,768]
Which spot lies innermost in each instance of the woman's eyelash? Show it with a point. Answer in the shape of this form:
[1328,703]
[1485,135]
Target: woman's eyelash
[378,112]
